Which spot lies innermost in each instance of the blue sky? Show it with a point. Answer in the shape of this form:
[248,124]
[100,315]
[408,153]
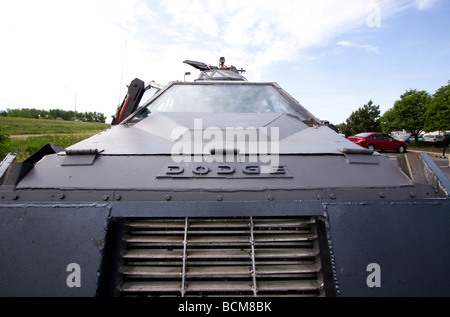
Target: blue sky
[333,56]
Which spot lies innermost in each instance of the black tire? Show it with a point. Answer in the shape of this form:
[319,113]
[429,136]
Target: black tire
[371,147]
[401,149]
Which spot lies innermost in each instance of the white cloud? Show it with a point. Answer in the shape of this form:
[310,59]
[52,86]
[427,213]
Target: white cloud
[366,47]
[53,48]
[425,4]
[264,32]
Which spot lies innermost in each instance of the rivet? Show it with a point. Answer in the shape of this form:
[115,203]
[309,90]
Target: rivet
[381,194]
[105,197]
[270,197]
[333,196]
[117,197]
[412,194]
[15,196]
[168,197]
[219,198]
[61,196]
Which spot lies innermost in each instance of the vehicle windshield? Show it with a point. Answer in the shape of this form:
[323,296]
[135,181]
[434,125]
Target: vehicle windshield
[221,98]
[363,135]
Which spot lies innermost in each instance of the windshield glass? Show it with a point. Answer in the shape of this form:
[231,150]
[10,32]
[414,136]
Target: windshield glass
[363,135]
[221,98]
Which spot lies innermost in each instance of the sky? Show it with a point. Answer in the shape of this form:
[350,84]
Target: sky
[333,56]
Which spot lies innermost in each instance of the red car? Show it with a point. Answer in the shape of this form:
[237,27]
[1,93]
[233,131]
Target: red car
[378,141]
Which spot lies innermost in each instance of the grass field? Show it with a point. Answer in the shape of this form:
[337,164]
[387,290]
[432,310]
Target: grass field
[15,126]
[57,132]
[67,133]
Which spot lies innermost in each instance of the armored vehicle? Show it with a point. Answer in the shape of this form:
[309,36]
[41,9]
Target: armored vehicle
[221,187]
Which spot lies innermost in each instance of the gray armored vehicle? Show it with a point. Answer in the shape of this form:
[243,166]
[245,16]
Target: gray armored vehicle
[221,187]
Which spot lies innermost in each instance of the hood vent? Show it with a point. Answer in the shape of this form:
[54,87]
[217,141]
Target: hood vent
[224,256]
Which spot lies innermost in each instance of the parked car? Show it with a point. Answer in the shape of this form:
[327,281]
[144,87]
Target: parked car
[408,137]
[404,137]
[378,141]
[419,138]
[433,138]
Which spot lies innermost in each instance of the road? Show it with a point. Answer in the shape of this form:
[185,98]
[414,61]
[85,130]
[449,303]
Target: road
[441,162]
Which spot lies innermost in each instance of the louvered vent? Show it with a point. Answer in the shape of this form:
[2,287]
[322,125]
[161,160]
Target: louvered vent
[224,256]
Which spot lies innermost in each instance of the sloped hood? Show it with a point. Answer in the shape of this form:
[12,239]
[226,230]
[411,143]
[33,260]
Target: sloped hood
[199,133]
[141,157]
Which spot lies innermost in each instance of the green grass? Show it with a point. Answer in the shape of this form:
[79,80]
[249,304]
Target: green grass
[15,126]
[60,133]
[426,146]
[24,148]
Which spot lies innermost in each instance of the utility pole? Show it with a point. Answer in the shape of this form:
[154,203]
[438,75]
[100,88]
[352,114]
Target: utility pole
[75,105]
[75,102]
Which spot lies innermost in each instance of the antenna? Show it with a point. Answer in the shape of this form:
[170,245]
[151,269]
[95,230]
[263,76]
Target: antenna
[123,69]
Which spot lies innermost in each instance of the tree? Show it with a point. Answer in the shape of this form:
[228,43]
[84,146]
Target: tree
[365,119]
[408,113]
[54,114]
[437,115]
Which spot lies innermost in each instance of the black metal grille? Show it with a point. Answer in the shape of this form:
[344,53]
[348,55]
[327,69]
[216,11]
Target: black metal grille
[224,256]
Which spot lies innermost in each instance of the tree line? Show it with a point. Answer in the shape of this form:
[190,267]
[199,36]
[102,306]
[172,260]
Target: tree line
[54,114]
[415,112]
